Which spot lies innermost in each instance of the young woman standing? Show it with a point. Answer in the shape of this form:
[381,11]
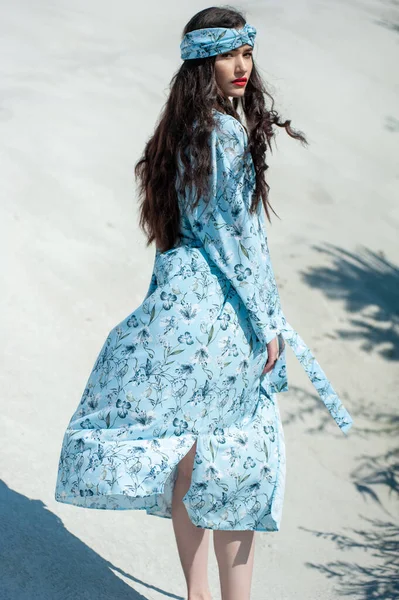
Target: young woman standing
[179,415]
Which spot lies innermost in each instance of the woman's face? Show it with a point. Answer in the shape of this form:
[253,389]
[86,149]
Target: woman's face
[232,65]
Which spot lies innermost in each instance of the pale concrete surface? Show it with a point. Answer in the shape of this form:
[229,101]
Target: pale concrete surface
[82,85]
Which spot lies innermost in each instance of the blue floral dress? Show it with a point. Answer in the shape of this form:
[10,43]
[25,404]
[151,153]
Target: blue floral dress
[186,366]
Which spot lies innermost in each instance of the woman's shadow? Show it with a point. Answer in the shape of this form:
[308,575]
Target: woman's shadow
[41,560]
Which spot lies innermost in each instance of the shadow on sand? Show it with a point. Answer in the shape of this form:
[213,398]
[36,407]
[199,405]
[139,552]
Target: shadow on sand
[369,285]
[41,559]
[377,576]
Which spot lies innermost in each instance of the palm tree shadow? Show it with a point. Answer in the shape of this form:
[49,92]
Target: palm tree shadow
[369,285]
[389,15]
[378,580]
[373,471]
[380,540]
[40,558]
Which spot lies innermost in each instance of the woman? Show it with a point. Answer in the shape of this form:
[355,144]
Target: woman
[179,416]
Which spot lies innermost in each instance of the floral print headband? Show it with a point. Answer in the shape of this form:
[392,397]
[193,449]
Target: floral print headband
[201,43]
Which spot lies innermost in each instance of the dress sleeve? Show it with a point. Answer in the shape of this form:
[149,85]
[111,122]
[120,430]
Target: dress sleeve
[231,235]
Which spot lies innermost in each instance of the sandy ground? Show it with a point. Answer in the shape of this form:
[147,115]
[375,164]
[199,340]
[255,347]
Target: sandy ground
[82,84]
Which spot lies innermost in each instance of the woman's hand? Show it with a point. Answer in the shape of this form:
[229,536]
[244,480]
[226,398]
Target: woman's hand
[272,351]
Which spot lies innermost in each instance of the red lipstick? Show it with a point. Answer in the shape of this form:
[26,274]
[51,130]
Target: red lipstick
[241,81]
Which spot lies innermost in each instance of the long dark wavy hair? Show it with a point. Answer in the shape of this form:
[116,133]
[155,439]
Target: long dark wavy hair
[193,94]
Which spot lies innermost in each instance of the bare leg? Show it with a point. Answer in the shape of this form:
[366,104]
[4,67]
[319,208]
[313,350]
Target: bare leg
[235,557]
[192,542]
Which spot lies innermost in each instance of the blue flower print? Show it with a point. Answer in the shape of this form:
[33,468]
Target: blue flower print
[93,401]
[224,319]
[145,418]
[186,338]
[86,492]
[196,397]
[144,335]
[100,452]
[212,472]
[132,321]
[233,455]
[266,472]
[269,430]
[197,225]
[202,355]
[241,439]
[170,324]
[243,366]
[179,426]
[168,300]
[228,348]
[200,486]
[123,408]
[79,445]
[230,381]
[242,272]
[186,271]
[185,370]
[189,312]
[254,487]
[128,350]
[219,434]
[87,424]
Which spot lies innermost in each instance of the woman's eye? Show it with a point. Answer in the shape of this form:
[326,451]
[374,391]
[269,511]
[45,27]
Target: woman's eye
[230,54]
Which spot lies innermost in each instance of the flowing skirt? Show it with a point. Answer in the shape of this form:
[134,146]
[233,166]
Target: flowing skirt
[183,367]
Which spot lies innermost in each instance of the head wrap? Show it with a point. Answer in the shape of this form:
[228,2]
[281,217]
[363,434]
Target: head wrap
[201,43]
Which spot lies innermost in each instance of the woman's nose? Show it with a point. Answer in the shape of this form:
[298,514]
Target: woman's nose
[240,67]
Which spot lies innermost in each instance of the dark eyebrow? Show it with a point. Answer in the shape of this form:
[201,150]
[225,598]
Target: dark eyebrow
[248,49]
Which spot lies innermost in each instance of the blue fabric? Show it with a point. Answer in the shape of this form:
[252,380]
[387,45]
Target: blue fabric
[209,41]
[186,366]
